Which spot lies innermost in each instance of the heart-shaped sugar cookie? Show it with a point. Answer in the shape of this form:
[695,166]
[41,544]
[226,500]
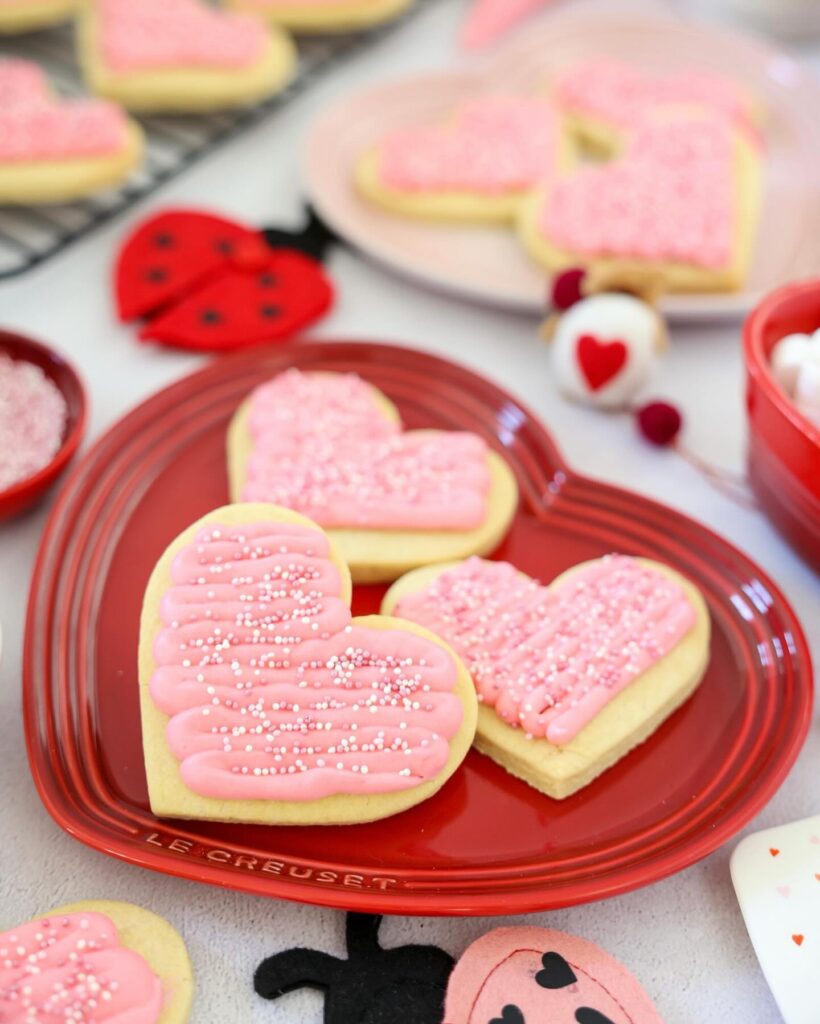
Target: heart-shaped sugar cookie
[680,204]
[605,100]
[572,676]
[533,975]
[305,16]
[181,55]
[264,701]
[477,167]
[52,149]
[332,447]
[95,961]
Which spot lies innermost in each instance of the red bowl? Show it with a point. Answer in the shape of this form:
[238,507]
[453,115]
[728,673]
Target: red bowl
[784,447]
[24,494]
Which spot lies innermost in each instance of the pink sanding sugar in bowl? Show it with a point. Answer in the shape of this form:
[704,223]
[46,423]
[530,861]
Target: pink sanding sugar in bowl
[33,416]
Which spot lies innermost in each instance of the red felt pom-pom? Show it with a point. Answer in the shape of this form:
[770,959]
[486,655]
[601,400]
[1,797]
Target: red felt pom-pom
[659,423]
[566,288]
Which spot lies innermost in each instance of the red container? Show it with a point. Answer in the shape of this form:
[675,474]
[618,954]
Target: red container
[784,447]
[24,494]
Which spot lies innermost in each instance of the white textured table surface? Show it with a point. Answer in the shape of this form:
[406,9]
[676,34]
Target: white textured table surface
[683,937]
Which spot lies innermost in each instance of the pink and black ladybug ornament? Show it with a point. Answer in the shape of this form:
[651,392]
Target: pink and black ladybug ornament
[604,344]
[201,281]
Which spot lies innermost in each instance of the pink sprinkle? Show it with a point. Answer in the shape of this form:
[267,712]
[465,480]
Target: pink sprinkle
[33,415]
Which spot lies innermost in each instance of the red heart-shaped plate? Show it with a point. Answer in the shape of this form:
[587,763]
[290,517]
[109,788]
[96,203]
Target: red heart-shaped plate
[486,843]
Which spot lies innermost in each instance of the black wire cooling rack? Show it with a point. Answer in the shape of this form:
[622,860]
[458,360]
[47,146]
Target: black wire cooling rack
[30,235]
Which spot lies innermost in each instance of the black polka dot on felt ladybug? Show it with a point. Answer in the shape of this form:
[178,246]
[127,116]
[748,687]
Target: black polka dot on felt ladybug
[211,316]
[164,240]
[225,246]
[156,274]
[557,973]
[586,1015]
[268,280]
[510,1014]
[270,312]
[372,986]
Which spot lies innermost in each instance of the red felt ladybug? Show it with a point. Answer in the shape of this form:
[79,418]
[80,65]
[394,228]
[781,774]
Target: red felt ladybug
[204,282]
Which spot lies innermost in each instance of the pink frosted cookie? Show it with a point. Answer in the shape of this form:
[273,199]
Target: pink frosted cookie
[181,55]
[330,446]
[477,167]
[606,100]
[571,676]
[539,976]
[28,15]
[679,204]
[264,701]
[95,961]
[306,16]
[53,150]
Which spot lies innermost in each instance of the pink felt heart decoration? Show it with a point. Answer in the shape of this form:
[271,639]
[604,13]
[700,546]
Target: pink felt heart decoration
[530,975]
[488,20]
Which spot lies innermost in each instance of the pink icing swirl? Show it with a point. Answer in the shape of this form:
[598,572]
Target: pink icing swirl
[549,659]
[273,692]
[322,446]
[622,95]
[496,144]
[74,968]
[35,126]
[670,197]
[154,34]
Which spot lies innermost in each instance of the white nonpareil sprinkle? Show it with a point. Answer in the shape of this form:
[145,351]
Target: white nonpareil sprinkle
[33,416]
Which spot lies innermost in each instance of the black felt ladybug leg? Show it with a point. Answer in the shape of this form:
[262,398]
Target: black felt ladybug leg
[362,933]
[313,239]
[295,968]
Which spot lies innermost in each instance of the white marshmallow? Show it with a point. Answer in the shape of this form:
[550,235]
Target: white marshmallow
[807,390]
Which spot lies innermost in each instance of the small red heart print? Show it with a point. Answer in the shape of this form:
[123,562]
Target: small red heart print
[774,852]
[600,361]
[784,890]
[798,939]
